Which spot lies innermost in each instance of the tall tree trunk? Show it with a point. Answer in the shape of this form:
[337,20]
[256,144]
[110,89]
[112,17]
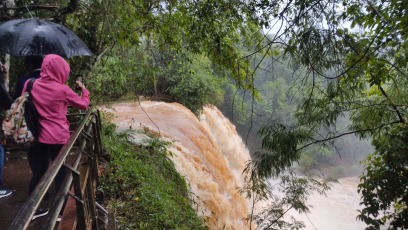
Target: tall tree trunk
[155,85]
[6,77]
[9,3]
[154,73]
[150,45]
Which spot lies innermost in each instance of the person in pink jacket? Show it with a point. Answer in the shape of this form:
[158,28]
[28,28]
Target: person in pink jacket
[51,98]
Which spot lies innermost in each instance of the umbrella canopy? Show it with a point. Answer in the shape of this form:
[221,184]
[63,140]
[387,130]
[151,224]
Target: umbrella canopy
[35,37]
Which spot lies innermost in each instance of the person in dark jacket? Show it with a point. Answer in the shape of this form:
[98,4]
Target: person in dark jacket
[5,103]
[33,68]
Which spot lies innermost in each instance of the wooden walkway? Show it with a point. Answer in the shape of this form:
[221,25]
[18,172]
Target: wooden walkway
[16,176]
[80,156]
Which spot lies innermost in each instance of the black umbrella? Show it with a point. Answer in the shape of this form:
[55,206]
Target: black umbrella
[35,37]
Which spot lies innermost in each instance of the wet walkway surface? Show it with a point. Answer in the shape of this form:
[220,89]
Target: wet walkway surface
[16,176]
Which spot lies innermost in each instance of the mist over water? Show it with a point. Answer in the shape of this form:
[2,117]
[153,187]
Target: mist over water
[211,155]
[335,211]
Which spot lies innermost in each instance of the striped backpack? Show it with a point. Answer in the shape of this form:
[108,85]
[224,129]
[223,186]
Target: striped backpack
[20,124]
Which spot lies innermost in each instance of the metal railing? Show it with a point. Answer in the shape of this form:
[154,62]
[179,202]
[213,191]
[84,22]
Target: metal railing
[80,156]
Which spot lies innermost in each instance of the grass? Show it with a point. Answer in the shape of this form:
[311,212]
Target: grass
[142,187]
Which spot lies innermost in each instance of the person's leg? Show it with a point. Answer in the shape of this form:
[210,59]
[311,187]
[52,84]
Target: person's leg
[38,159]
[3,192]
[53,151]
[1,164]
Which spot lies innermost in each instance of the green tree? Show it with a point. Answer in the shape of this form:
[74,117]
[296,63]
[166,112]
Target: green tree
[209,28]
[386,168]
[360,71]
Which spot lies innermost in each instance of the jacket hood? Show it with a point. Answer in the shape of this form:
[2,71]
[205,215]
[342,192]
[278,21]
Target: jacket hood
[55,68]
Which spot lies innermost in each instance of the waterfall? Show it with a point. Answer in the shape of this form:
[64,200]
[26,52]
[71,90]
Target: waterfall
[208,152]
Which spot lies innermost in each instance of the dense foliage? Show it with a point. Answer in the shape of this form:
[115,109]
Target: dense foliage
[387,168]
[359,70]
[173,77]
[142,187]
[279,90]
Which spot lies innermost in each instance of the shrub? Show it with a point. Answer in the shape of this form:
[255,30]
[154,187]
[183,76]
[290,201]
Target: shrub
[141,186]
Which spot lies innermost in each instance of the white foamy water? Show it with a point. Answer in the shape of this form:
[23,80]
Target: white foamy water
[337,210]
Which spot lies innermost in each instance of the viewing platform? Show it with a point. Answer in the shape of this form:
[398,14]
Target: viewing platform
[80,156]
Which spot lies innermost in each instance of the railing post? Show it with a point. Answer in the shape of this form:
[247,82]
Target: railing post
[92,175]
[79,200]
[95,149]
[91,202]
[98,128]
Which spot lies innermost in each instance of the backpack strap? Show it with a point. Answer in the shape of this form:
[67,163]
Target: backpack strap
[30,85]
[30,111]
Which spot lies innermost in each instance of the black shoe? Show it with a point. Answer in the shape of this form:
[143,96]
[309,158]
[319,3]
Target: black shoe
[40,213]
[5,192]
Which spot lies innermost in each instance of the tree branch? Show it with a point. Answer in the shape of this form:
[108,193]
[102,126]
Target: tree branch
[344,134]
[383,19]
[276,220]
[392,104]
[30,7]
[59,11]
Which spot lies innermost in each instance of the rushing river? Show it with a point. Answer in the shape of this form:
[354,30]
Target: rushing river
[211,155]
[335,211]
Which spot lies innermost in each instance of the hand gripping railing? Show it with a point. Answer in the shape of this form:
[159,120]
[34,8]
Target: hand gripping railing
[85,143]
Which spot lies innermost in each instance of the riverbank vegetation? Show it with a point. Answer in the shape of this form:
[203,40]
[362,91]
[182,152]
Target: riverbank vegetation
[142,188]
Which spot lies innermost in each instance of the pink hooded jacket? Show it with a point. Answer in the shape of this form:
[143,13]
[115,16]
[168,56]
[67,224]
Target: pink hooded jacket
[52,97]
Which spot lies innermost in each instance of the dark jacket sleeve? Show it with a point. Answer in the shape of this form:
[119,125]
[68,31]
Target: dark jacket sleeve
[5,98]
[19,89]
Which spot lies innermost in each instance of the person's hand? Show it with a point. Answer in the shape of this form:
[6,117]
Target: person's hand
[4,69]
[80,85]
